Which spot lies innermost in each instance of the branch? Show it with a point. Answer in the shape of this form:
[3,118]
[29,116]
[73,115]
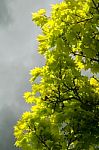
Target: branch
[95,78]
[95,6]
[91,59]
[94,59]
[60,77]
[76,91]
[85,20]
[39,137]
[69,98]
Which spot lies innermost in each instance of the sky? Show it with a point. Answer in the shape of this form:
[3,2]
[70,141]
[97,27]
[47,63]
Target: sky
[18,55]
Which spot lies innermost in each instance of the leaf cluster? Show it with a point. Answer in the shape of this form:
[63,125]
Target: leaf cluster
[66,111]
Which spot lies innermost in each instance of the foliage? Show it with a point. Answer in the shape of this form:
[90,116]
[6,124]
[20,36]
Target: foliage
[66,111]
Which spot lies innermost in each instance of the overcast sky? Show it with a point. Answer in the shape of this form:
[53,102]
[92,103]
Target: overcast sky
[18,54]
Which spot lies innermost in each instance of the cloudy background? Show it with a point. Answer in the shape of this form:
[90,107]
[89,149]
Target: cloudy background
[18,54]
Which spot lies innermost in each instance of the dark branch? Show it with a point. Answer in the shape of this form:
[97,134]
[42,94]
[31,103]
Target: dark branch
[81,54]
[95,6]
[75,91]
[85,20]
[39,137]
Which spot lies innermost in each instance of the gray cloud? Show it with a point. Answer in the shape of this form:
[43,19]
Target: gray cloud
[18,54]
[5,12]
[7,121]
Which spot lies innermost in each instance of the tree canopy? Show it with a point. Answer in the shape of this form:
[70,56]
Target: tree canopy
[65,102]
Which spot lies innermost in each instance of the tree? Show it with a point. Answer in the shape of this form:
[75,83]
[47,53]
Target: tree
[66,111]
